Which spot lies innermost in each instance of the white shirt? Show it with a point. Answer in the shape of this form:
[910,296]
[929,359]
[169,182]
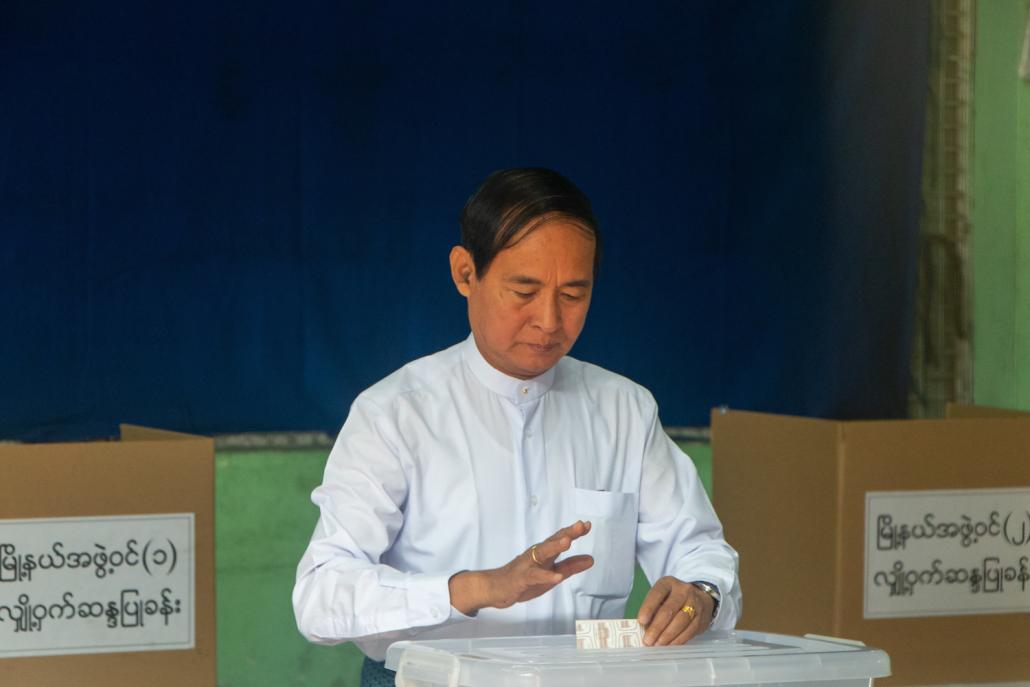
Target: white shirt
[448,465]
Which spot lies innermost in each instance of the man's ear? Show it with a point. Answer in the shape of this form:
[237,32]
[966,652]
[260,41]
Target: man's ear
[463,270]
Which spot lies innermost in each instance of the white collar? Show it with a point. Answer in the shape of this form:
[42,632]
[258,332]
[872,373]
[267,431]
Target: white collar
[518,391]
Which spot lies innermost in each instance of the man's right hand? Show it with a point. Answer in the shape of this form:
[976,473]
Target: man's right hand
[533,572]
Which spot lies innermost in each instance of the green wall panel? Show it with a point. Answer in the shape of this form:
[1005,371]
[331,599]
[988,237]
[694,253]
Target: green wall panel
[1001,208]
[263,519]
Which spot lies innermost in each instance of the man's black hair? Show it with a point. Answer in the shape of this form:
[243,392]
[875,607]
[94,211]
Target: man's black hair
[511,200]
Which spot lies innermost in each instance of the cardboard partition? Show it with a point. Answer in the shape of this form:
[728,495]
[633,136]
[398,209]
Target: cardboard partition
[912,536]
[107,561]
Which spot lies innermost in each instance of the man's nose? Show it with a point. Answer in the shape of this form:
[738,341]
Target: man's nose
[548,315]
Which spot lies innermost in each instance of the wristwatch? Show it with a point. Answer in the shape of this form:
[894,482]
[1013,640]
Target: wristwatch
[712,591]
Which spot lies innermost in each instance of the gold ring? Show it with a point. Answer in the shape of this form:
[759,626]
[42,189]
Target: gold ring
[689,610]
[532,552]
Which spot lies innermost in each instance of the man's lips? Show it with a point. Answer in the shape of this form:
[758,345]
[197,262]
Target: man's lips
[543,348]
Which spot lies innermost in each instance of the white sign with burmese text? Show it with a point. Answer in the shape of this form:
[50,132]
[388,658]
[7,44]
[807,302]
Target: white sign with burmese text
[947,552]
[96,584]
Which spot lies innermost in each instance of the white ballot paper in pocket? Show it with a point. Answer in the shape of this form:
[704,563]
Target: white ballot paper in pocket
[608,634]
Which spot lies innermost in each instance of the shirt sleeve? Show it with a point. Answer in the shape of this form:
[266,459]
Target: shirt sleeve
[342,591]
[678,532]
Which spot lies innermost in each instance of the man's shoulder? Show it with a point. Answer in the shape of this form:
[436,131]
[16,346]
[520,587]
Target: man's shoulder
[419,375]
[576,374]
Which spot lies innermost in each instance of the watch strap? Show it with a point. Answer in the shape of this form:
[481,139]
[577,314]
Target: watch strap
[712,591]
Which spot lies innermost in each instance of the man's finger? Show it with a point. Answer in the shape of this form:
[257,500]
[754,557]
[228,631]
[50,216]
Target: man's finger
[684,619]
[574,565]
[692,631]
[543,576]
[669,611]
[652,601]
[546,551]
[573,531]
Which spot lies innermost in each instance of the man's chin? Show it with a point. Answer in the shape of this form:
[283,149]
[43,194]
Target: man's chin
[536,364]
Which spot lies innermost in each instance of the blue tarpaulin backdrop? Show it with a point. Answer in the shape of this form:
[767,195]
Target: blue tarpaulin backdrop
[233,216]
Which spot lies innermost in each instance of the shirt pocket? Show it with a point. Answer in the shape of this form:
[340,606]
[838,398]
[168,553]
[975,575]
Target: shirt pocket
[611,541]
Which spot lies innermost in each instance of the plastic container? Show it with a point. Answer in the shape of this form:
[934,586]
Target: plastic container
[716,658]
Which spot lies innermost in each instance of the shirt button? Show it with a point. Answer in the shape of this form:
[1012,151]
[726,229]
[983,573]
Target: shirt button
[533,500]
[524,390]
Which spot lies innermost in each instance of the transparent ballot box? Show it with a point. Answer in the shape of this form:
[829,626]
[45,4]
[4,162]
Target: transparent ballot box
[716,658]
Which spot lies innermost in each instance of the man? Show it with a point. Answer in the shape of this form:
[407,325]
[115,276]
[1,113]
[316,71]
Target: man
[500,487]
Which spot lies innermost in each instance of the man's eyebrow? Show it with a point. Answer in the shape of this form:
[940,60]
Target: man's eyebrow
[523,279]
[533,281]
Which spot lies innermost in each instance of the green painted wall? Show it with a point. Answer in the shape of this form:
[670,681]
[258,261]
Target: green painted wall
[1001,208]
[263,518]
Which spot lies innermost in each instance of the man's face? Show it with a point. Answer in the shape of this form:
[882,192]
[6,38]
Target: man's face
[530,307]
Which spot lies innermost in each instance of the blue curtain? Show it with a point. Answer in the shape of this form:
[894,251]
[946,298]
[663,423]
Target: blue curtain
[234,216]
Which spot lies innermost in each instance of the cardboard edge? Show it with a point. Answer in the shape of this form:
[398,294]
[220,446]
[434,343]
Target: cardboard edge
[777,417]
[960,411]
[131,432]
[838,517]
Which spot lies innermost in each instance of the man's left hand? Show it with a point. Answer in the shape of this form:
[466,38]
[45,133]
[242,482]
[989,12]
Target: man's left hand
[673,612]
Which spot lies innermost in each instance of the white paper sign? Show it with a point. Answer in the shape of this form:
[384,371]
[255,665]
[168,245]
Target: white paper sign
[955,552]
[96,584]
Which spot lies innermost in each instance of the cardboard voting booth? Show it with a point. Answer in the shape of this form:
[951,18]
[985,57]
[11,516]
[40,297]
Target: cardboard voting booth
[107,561]
[911,535]
[742,659]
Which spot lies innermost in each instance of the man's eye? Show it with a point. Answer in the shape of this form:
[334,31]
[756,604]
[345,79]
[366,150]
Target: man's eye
[523,294]
[572,297]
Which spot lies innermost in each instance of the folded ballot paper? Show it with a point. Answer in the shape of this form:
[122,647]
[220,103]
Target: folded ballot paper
[608,634]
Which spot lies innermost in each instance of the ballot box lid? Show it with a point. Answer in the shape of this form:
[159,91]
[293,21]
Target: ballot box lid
[715,658]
